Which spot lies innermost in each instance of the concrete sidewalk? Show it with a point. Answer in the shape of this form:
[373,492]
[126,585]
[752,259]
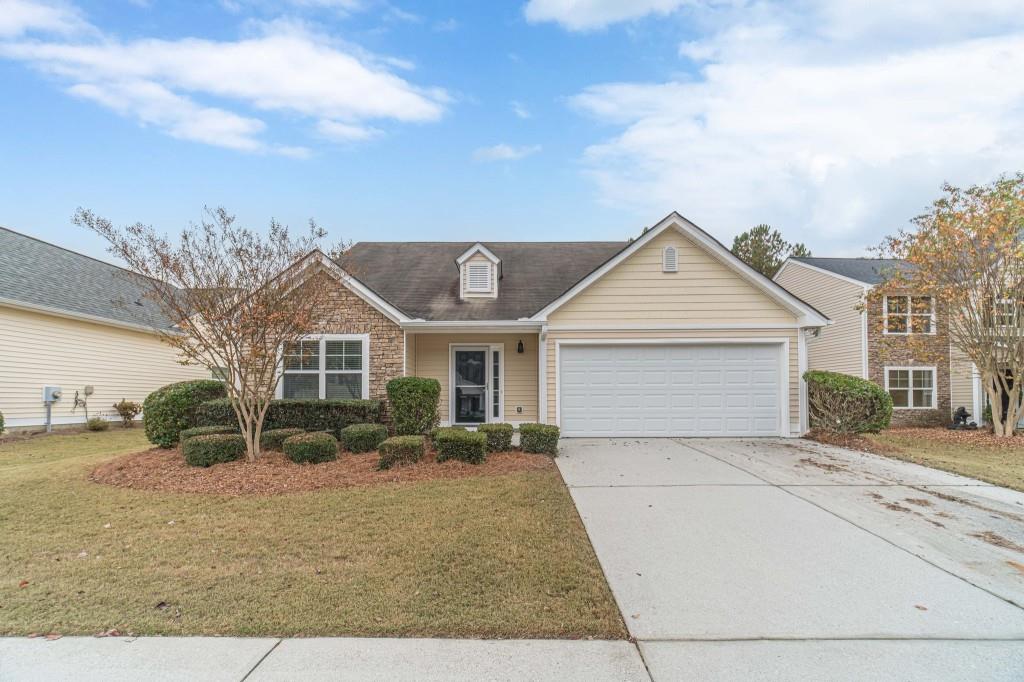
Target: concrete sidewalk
[232,659]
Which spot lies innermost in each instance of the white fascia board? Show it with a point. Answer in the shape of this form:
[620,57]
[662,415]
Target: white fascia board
[865,285]
[471,326]
[806,315]
[84,317]
[477,248]
[353,284]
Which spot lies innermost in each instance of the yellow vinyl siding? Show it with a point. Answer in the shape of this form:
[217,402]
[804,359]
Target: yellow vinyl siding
[38,350]
[430,358]
[479,258]
[961,381]
[791,334]
[703,291]
[839,347]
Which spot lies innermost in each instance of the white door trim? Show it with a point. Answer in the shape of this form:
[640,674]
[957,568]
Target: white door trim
[782,342]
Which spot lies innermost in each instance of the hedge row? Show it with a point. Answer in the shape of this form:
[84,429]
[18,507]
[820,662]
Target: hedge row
[308,415]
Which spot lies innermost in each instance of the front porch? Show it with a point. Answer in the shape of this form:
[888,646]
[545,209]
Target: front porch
[485,377]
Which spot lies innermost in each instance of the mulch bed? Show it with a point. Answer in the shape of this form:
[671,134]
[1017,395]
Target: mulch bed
[978,438]
[273,473]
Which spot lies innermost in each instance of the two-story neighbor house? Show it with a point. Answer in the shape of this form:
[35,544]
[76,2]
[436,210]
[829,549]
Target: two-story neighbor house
[869,336]
[665,335]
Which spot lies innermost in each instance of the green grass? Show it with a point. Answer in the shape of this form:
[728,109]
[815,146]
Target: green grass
[1001,464]
[500,556]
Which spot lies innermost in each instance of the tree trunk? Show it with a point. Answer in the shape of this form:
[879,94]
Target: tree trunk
[1013,410]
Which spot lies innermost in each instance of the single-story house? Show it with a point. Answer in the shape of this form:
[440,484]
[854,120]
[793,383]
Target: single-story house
[71,321]
[869,338]
[667,334]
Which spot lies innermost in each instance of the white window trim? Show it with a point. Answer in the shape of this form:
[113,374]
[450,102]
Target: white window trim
[469,280]
[322,371]
[491,347]
[666,266]
[909,316]
[911,389]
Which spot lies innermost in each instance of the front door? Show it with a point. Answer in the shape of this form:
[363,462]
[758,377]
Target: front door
[470,378]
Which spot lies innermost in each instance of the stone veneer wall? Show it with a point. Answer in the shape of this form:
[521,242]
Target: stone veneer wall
[926,350]
[347,313]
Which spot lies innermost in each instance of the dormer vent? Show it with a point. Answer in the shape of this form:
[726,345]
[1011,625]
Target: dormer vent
[479,273]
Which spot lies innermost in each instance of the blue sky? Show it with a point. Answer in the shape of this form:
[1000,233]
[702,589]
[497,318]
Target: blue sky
[535,119]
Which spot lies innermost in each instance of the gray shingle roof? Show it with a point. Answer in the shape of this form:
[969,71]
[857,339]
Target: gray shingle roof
[40,274]
[867,270]
[422,279]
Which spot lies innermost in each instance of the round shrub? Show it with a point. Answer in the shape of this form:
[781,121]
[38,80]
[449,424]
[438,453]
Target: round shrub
[273,439]
[311,447]
[169,410]
[841,403]
[413,403]
[540,438]
[97,424]
[465,446]
[499,436]
[205,431]
[363,437]
[400,450]
[213,448]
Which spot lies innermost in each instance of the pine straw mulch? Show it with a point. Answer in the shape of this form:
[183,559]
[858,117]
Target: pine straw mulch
[979,438]
[273,473]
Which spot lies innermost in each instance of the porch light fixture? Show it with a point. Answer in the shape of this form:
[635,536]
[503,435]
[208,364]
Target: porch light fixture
[519,347]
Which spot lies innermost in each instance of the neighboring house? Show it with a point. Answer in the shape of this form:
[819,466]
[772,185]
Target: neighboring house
[72,321]
[665,335]
[872,341]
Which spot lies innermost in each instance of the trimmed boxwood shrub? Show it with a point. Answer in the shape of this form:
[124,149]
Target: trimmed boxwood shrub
[465,446]
[308,415]
[273,439]
[413,402]
[499,436]
[206,431]
[213,448]
[363,437]
[842,403]
[168,410]
[440,429]
[311,447]
[400,450]
[542,438]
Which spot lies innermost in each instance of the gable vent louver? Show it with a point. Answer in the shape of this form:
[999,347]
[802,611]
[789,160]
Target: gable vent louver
[478,276]
[669,260]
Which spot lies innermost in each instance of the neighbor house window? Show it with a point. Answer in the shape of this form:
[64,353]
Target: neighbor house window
[328,367]
[1004,312]
[909,315]
[911,387]
[478,277]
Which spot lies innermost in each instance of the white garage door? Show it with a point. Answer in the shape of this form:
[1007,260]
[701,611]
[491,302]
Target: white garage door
[670,390]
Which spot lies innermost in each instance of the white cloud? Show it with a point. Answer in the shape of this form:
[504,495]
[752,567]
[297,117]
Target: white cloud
[519,109]
[834,140]
[18,17]
[282,67]
[345,132]
[584,15]
[505,152]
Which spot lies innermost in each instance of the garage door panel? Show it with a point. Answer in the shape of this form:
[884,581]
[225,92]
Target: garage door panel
[670,390]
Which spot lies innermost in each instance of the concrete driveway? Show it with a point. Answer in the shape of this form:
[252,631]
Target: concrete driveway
[785,559]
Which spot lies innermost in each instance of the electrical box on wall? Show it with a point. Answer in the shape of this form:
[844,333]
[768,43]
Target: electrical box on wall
[51,394]
[519,409]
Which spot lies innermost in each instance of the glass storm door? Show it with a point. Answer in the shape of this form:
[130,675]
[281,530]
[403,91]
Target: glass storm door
[471,385]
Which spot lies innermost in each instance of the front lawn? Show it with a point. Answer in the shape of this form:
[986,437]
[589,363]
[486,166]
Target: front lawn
[494,556]
[977,454]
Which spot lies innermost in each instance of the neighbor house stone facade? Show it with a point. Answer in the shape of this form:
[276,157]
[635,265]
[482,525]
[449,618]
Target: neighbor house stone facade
[915,350]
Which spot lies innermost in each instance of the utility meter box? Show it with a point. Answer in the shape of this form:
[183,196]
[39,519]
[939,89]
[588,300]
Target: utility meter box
[51,394]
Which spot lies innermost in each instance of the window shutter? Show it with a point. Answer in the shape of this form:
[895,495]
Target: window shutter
[669,261]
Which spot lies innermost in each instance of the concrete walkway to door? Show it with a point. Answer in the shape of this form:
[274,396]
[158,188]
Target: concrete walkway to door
[785,559]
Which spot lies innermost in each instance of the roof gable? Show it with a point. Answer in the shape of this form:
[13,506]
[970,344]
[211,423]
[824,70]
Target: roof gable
[805,314]
[869,271]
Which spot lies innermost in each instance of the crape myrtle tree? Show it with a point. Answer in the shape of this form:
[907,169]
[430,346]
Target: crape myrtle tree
[237,297]
[967,253]
[764,249]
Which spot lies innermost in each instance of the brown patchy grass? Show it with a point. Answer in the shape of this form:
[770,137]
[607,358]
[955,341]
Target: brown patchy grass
[977,454]
[489,556]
